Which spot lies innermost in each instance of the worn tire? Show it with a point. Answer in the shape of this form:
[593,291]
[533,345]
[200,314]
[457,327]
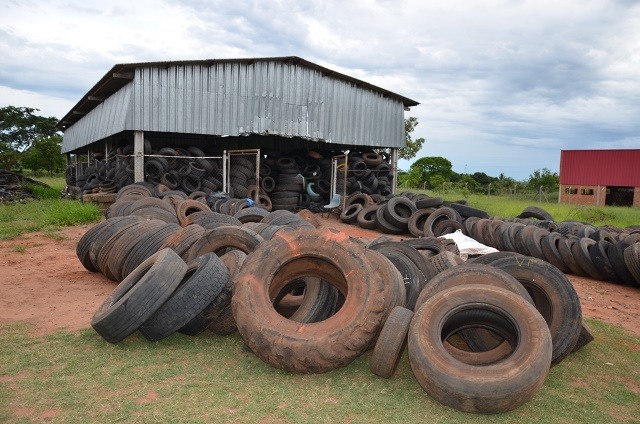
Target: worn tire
[391,342]
[493,388]
[553,295]
[308,348]
[138,296]
[203,281]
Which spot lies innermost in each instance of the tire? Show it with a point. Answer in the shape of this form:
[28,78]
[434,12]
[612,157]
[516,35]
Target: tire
[325,345]
[549,246]
[553,295]
[565,248]
[413,278]
[582,255]
[430,202]
[467,211]
[440,213]
[203,281]
[445,260]
[537,213]
[410,252]
[600,259]
[138,296]
[232,260]
[92,241]
[632,260]
[385,226]
[493,388]
[218,239]
[391,343]
[146,248]
[366,217]
[349,215]
[616,257]
[187,207]
[398,211]
[486,347]
[417,220]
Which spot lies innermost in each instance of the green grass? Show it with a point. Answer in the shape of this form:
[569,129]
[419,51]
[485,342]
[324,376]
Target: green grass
[49,214]
[78,377]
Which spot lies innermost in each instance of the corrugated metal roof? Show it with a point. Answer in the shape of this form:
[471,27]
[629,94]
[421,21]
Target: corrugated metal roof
[600,167]
[288,96]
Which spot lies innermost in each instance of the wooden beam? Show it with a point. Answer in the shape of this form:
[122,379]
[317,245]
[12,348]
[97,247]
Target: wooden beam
[96,98]
[75,112]
[123,75]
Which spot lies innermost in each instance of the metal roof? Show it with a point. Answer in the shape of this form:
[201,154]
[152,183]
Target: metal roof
[616,167]
[123,73]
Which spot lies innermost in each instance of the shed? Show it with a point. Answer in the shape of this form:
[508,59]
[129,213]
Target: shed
[600,177]
[219,106]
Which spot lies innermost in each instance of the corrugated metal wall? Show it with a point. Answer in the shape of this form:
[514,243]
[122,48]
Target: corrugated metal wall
[245,98]
[600,167]
[110,117]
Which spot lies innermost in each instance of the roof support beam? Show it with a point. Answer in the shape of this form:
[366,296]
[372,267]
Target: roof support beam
[138,158]
[123,75]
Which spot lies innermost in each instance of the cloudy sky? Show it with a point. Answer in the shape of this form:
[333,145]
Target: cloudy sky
[503,85]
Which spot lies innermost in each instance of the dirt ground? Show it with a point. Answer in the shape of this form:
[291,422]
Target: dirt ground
[43,282]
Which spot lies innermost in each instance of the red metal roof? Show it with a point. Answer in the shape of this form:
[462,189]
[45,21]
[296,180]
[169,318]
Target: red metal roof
[600,167]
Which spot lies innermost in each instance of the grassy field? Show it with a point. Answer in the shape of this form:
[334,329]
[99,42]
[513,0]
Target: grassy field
[48,214]
[78,377]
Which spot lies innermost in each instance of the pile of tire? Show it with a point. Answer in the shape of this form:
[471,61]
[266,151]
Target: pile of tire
[177,168]
[601,253]
[368,172]
[407,213]
[311,301]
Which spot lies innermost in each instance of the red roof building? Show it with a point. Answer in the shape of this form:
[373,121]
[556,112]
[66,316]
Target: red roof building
[600,177]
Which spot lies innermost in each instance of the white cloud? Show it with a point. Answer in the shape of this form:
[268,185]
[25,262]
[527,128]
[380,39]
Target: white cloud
[504,85]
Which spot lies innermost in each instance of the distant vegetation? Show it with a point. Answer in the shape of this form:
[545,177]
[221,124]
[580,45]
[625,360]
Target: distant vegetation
[436,173]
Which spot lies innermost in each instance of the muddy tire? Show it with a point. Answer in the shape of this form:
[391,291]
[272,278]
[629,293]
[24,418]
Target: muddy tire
[488,389]
[321,346]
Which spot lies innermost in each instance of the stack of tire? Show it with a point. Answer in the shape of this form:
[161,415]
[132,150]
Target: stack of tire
[573,247]
[189,278]
[368,172]
[405,213]
[176,168]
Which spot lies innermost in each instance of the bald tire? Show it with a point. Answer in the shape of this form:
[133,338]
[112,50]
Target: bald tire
[139,296]
[391,343]
[493,388]
[308,348]
[203,281]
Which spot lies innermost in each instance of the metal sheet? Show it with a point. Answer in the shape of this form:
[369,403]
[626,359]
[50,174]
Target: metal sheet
[241,98]
[600,167]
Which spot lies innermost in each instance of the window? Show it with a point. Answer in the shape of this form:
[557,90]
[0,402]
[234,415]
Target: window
[587,191]
[570,190]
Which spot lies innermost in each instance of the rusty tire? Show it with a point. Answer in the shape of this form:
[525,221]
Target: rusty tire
[493,388]
[218,239]
[308,348]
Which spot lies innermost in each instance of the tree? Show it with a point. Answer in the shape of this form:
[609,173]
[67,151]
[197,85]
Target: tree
[412,146]
[44,154]
[19,128]
[544,178]
[431,166]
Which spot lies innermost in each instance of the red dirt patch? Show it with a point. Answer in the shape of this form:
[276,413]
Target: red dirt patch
[48,286]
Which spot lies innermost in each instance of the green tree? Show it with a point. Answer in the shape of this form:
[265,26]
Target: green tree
[544,178]
[430,166]
[412,146]
[19,128]
[44,154]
